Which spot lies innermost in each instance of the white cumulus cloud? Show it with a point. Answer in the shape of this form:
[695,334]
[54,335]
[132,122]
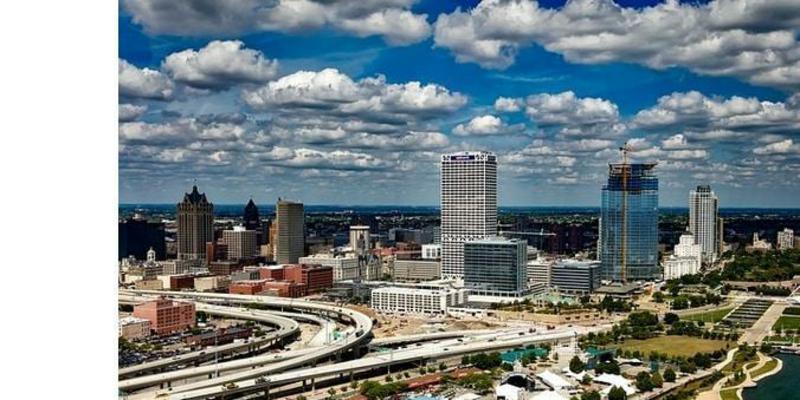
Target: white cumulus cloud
[143,82]
[219,65]
[752,39]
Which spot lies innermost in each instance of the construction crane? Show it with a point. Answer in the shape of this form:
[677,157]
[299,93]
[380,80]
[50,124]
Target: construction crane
[625,172]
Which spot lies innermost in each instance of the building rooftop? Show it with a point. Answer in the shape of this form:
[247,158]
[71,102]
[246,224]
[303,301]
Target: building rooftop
[578,264]
[131,320]
[495,240]
[195,197]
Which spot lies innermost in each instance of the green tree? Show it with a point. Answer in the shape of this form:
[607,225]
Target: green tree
[644,382]
[680,303]
[658,297]
[617,393]
[593,395]
[657,380]
[671,318]
[576,365]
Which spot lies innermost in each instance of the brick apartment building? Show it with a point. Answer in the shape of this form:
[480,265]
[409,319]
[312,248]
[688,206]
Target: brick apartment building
[316,277]
[247,286]
[166,316]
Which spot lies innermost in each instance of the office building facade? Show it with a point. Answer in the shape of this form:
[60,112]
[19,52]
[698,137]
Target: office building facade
[575,277]
[496,266]
[629,223]
[195,225]
[289,231]
[359,239]
[539,272]
[241,243]
[416,270]
[703,216]
[469,205]
[417,300]
[431,251]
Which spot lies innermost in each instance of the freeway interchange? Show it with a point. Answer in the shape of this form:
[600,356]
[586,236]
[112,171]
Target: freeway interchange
[260,373]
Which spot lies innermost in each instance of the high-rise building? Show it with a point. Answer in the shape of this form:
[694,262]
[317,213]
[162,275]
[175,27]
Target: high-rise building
[241,243]
[703,216]
[469,205]
[289,228]
[785,239]
[496,267]
[359,239]
[137,236]
[252,221]
[629,222]
[195,225]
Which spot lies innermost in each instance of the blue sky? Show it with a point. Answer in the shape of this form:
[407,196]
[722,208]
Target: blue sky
[352,104]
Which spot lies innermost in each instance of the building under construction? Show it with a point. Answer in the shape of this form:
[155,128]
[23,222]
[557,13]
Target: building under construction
[629,223]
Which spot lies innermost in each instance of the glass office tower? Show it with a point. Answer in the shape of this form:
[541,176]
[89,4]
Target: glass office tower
[629,227]
[496,266]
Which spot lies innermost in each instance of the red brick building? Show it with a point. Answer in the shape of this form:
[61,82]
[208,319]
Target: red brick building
[166,316]
[316,277]
[286,289]
[274,272]
[247,287]
[216,251]
[178,282]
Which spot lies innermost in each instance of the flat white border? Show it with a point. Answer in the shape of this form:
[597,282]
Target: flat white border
[59,199]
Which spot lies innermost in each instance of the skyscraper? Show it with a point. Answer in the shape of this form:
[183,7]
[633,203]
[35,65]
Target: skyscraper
[469,205]
[252,221]
[703,215]
[629,222]
[195,225]
[289,232]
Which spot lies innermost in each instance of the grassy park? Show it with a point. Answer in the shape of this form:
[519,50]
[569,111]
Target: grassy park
[685,346]
[709,316]
[768,366]
[728,394]
[786,322]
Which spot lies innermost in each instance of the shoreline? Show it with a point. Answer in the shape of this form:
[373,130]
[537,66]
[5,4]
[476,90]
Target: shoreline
[777,369]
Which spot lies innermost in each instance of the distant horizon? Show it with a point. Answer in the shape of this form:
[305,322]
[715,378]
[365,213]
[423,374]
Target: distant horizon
[436,206]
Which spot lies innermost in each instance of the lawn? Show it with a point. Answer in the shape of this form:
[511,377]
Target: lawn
[769,366]
[786,322]
[675,345]
[710,316]
[729,394]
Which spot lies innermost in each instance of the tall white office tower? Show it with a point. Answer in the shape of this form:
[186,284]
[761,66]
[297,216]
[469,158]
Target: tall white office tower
[469,205]
[703,215]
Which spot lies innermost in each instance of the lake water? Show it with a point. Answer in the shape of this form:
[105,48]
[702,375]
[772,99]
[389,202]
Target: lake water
[784,385]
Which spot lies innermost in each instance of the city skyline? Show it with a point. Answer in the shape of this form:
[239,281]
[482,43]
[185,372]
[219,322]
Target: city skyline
[250,107]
